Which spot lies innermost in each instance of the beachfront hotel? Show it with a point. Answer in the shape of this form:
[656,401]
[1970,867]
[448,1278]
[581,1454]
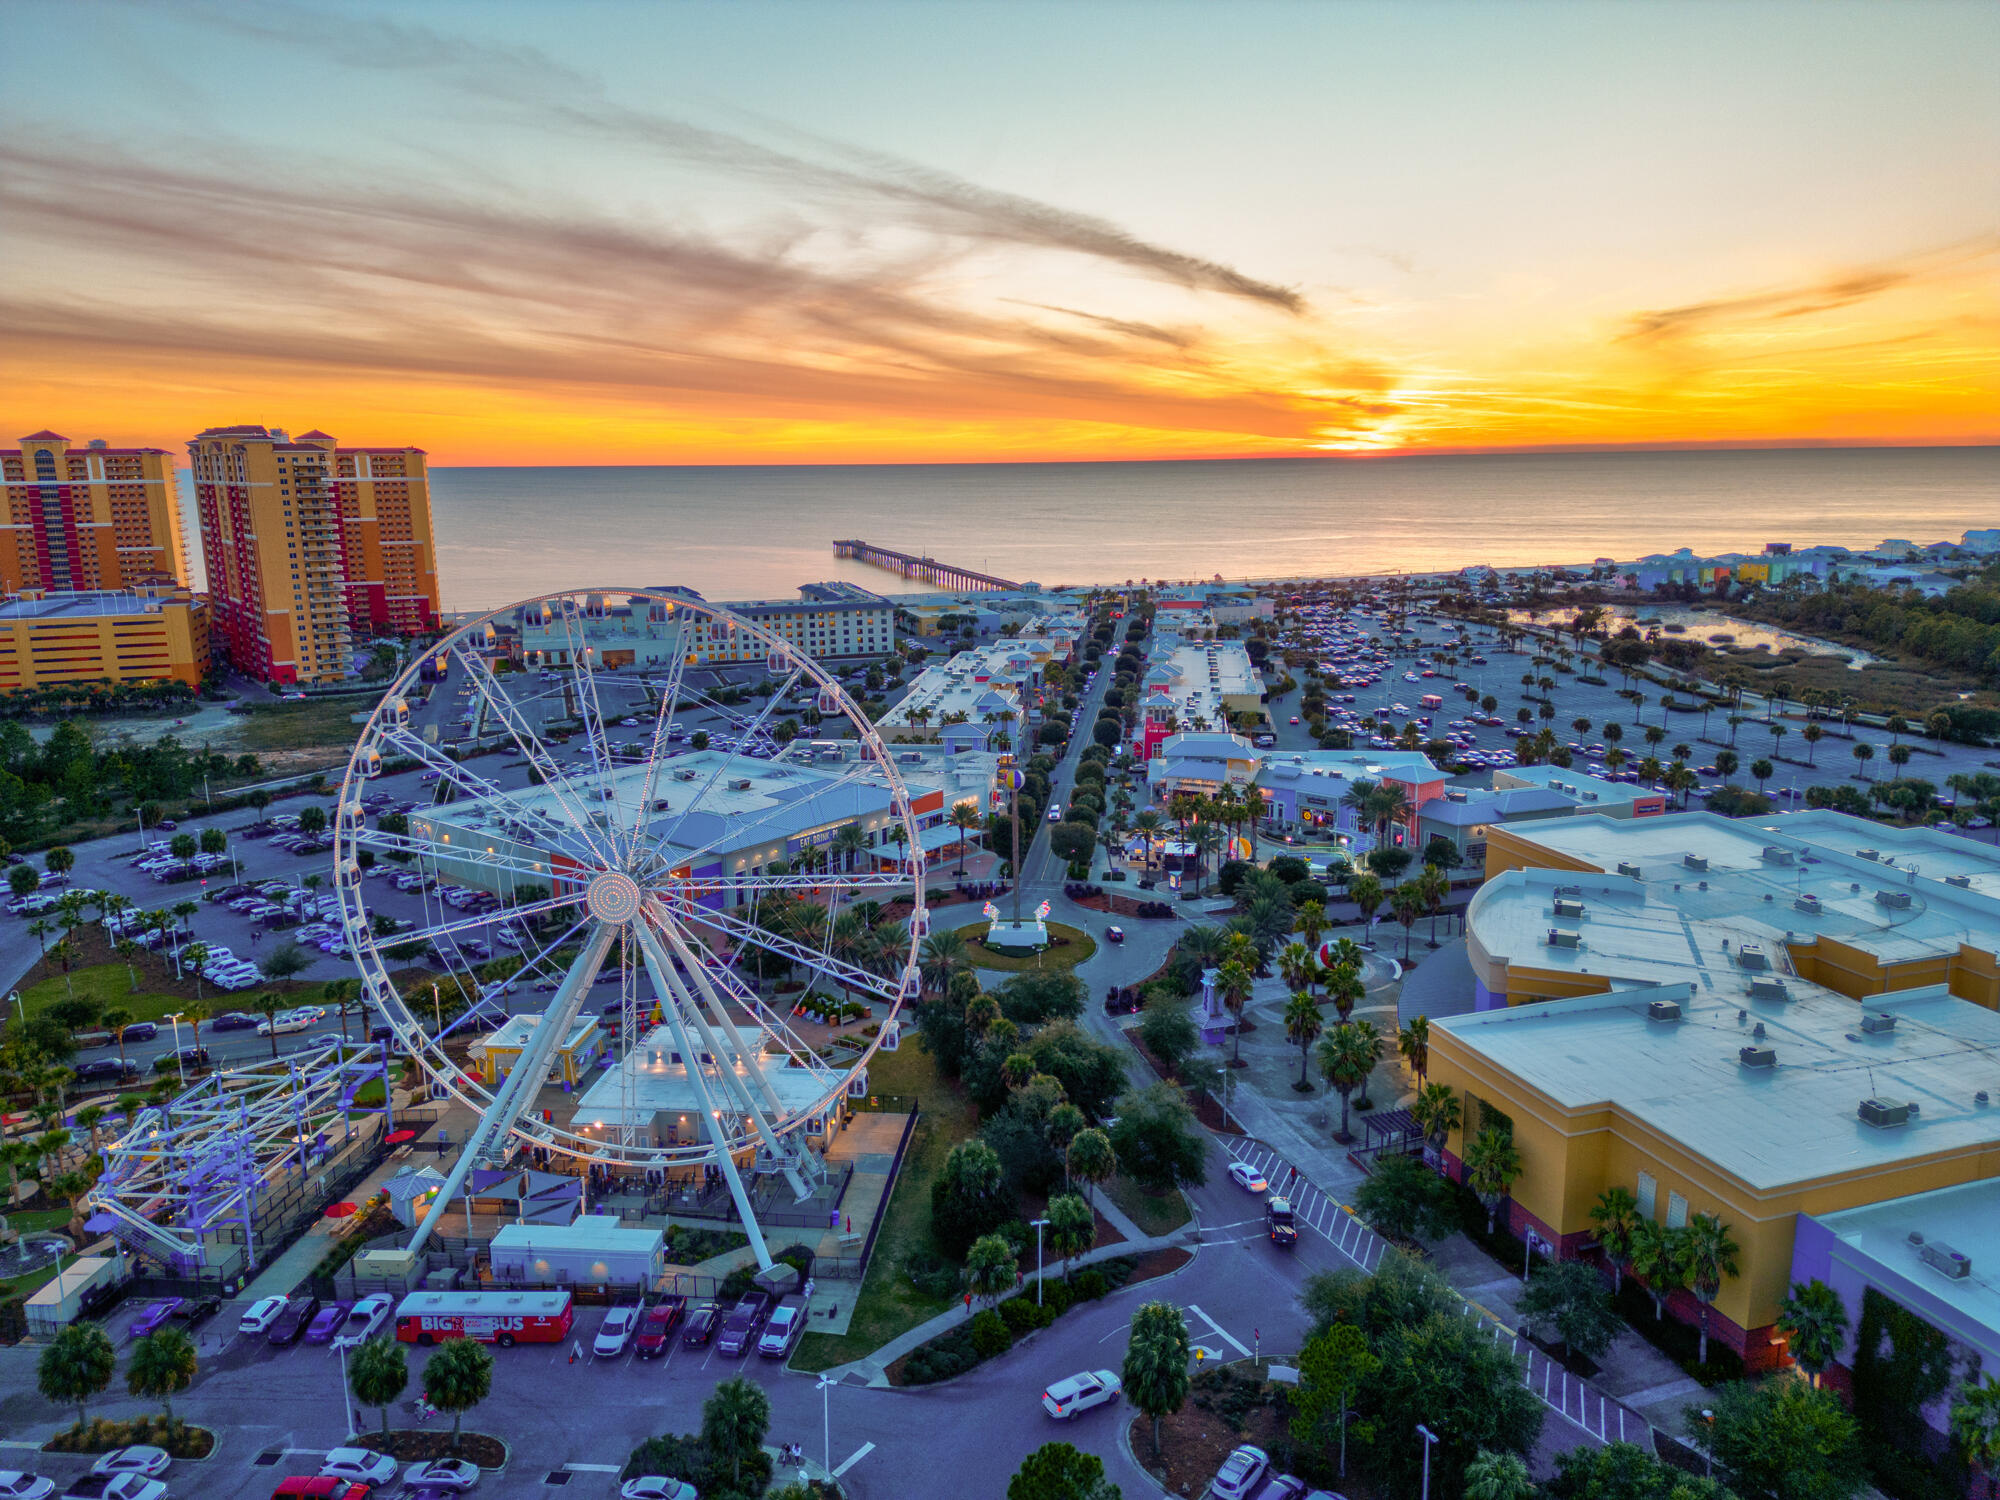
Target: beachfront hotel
[157,633]
[308,545]
[826,624]
[1775,1021]
[89,517]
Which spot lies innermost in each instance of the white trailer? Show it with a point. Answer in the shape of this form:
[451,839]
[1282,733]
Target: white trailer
[594,1250]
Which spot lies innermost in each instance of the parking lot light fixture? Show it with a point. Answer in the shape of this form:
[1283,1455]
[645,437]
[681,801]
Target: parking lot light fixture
[1429,1438]
[1038,1223]
[826,1419]
[180,1063]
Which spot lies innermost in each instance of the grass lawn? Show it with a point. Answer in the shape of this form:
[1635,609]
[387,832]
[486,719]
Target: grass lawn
[1077,945]
[888,1304]
[323,724]
[1153,1213]
[34,1281]
[108,985]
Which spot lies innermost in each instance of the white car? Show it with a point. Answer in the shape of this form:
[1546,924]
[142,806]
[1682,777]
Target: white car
[1240,1474]
[151,1462]
[364,1321]
[262,1314]
[358,1465]
[1247,1177]
[453,1474]
[284,1023]
[616,1332]
[16,1485]
[114,1487]
[1066,1398]
[657,1487]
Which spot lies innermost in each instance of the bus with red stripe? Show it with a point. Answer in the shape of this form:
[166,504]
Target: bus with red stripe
[503,1318]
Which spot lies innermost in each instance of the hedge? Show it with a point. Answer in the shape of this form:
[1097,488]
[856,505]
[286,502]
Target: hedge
[993,1330]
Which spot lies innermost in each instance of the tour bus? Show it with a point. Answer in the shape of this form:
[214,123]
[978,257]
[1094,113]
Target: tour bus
[502,1318]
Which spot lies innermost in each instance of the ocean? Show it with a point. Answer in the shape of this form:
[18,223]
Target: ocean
[506,534]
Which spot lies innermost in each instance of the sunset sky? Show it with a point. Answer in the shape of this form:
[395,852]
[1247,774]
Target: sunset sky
[747,233]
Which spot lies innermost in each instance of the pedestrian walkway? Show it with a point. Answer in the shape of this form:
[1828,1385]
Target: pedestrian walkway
[1590,1409]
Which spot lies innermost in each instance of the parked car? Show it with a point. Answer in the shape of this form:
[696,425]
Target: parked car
[657,1487]
[284,1023]
[141,1031]
[364,1320]
[1079,1393]
[197,1310]
[140,1459]
[114,1487]
[616,1331]
[781,1334]
[320,1487]
[106,1070]
[358,1465]
[157,1312]
[186,1058]
[331,1315]
[661,1319]
[18,1485]
[1285,1487]
[739,1329]
[260,1315]
[1240,1474]
[701,1325]
[292,1323]
[452,1476]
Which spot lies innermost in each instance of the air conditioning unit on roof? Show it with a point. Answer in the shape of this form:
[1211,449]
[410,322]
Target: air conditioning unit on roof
[1807,904]
[1883,1114]
[1963,882]
[1880,1022]
[1898,899]
[1694,861]
[1941,1257]
[1628,869]
[1757,1057]
[1663,1010]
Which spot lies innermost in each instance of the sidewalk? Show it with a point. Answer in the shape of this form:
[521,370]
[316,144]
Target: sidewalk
[873,1371]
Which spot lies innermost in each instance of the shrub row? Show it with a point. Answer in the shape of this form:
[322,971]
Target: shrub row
[992,1331]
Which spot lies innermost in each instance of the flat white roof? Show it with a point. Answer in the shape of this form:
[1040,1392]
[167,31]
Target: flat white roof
[1966,1218]
[588,1232]
[651,1082]
[1790,1123]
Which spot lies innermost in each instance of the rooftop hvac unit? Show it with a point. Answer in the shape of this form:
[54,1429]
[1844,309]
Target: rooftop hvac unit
[740,784]
[1868,853]
[1941,1257]
[1664,1010]
[1454,794]
[1757,1057]
[684,776]
[1899,899]
[1963,882]
[1776,854]
[1564,937]
[1694,861]
[1768,987]
[1751,956]
[1590,796]
[1807,904]
[1879,1022]
[1884,1114]
[1628,869]
[1568,906]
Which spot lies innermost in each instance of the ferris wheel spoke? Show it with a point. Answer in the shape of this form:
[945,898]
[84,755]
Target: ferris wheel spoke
[530,745]
[842,972]
[485,859]
[527,912]
[739,832]
[418,748]
[583,688]
[739,992]
[670,697]
[883,881]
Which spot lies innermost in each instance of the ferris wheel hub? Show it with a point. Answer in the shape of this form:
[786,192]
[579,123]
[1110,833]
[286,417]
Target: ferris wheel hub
[613,897]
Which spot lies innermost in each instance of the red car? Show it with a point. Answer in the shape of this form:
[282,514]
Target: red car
[661,1319]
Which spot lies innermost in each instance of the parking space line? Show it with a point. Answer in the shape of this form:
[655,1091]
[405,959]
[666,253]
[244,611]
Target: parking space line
[1220,1332]
[853,1458]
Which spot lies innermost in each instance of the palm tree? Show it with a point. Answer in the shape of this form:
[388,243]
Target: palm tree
[378,1373]
[964,817]
[942,954]
[1414,1042]
[990,1267]
[848,843]
[1657,1261]
[1616,1215]
[161,1364]
[458,1377]
[1863,753]
[115,1020]
[1814,1319]
[1365,891]
[1311,919]
[1346,1056]
[1302,1025]
[1492,1163]
[1072,1228]
[17,1157]
[1407,902]
[1434,886]
[1437,1113]
[1147,823]
[268,1005]
[1233,982]
[1344,988]
[1709,1254]
[90,1119]
[1296,966]
[1498,1476]
[76,1365]
[1090,1160]
[1155,1372]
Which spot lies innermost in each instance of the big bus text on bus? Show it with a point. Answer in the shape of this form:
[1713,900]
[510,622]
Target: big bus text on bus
[490,1317]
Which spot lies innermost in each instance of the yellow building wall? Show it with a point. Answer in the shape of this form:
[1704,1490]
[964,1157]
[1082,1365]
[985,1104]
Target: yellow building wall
[171,645]
[1505,851]
[1975,976]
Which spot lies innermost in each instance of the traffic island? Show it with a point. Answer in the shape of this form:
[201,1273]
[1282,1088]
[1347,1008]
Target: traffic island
[408,1445]
[1228,1405]
[1068,947]
[180,1439]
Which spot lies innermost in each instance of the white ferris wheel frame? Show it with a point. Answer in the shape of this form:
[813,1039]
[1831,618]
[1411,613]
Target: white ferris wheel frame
[632,898]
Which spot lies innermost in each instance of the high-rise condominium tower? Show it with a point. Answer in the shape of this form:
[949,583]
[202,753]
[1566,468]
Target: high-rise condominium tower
[94,517]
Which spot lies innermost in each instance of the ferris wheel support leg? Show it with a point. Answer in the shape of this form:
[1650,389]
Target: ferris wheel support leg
[722,1045]
[530,1068]
[710,1117]
[786,1154]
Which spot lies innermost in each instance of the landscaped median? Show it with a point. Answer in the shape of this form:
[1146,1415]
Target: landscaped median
[1068,947]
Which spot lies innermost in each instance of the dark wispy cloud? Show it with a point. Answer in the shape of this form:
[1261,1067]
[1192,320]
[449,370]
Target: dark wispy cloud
[528,81]
[1826,294]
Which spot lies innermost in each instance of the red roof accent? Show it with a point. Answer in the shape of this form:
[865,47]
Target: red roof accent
[45,436]
[316,433]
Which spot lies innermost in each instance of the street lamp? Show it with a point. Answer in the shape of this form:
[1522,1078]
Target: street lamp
[1224,1071]
[1038,1223]
[826,1419]
[1528,1261]
[180,1063]
[1708,1441]
[1429,1438]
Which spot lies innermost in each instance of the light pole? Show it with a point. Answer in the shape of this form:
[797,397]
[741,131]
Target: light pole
[1429,1438]
[180,1063]
[1038,1223]
[1708,1441]
[1528,1261]
[826,1420]
[1224,1071]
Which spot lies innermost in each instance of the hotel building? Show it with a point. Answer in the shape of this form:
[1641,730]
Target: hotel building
[308,544]
[654,634]
[143,635]
[1756,1020]
[94,517]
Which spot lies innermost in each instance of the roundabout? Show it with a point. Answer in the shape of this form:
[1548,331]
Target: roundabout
[1068,947]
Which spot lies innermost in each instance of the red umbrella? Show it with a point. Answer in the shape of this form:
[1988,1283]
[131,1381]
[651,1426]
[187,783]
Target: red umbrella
[397,1137]
[340,1210]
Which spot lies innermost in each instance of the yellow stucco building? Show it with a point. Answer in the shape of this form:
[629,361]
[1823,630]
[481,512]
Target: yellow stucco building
[142,635]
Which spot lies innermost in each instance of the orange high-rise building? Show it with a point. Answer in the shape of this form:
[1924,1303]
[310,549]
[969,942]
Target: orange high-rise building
[88,518]
[308,545]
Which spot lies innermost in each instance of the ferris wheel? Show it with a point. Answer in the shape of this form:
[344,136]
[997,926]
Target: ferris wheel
[606,800]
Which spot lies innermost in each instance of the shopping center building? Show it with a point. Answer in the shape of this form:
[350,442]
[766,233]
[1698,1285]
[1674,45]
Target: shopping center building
[1767,1021]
